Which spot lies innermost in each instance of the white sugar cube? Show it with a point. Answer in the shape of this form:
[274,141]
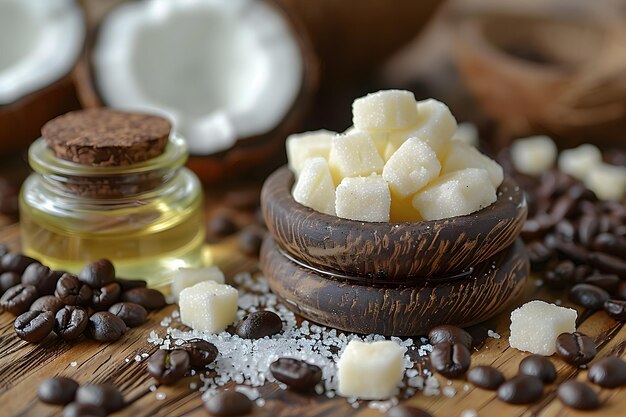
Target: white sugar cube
[578,162]
[353,155]
[363,198]
[411,167]
[536,325]
[187,277]
[461,156]
[370,371]
[533,155]
[314,187]
[208,306]
[455,194]
[608,182]
[303,146]
[466,133]
[385,110]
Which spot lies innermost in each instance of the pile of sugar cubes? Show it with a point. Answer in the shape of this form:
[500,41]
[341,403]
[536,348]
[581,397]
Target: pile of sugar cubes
[400,162]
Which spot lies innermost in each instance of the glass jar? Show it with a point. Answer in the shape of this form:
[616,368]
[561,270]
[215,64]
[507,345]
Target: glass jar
[146,217]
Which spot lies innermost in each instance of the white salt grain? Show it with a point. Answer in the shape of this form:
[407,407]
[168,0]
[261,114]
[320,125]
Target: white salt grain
[449,392]
[469,413]
[73,364]
[493,334]
[160,396]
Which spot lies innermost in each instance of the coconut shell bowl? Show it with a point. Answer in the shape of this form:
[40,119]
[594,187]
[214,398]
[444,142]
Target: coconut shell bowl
[394,279]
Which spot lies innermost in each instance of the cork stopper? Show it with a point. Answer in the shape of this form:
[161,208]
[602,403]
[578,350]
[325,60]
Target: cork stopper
[103,137]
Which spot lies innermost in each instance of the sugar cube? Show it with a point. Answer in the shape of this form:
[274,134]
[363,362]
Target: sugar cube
[411,167]
[208,306]
[385,110]
[370,371]
[353,155]
[536,325]
[461,156]
[608,182]
[303,146]
[188,277]
[466,133]
[533,155]
[314,187]
[578,162]
[455,194]
[363,198]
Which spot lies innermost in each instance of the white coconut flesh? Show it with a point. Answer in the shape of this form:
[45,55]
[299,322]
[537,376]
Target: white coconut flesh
[39,43]
[220,70]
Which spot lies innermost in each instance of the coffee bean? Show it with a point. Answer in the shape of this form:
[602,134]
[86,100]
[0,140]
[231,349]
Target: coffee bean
[129,284]
[41,277]
[70,322]
[575,348]
[588,296]
[539,255]
[8,280]
[616,309]
[562,208]
[450,360]
[608,282]
[104,396]
[610,243]
[521,389]
[146,297]
[47,303]
[539,366]
[485,377]
[58,390]
[446,333]
[221,224]
[83,410]
[201,353]
[578,395]
[259,324]
[132,314]
[297,374]
[18,299]
[229,403]
[168,366]
[34,326]
[251,239]
[561,275]
[105,327]
[569,250]
[105,297]
[407,411]
[608,372]
[15,262]
[587,229]
[98,273]
[565,229]
[621,291]
[72,291]
[607,263]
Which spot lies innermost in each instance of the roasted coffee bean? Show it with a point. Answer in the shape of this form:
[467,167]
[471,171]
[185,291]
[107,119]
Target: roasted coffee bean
[485,377]
[562,208]
[610,243]
[258,325]
[616,309]
[229,403]
[8,280]
[565,229]
[251,239]
[588,296]
[129,284]
[581,272]
[58,390]
[407,411]
[41,277]
[621,291]
[607,263]
[578,395]
[83,410]
[298,375]
[521,389]
[201,353]
[168,366]
[446,333]
[539,255]
[575,348]
[450,360]
[569,250]
[539,366]
[132,314]
[15,262]
[537,227]
[608,282]
[561,275]
[105,327]
[18,299]
[98,273]
[146,297]
[47,303]
[609,372]
[221,224]
[105,297]
[587,229]
[104,396]
[70,322]
[34,326]
[72,291]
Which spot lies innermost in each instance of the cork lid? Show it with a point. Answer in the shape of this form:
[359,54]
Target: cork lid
[104,137]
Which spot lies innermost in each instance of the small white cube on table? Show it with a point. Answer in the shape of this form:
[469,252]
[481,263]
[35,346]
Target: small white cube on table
[208,306]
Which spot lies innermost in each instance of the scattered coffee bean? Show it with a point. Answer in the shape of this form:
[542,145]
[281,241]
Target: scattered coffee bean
[72,291]
[607,263]
[8,280]
[70,322]
[168,366]
[521,389]
[129,284]
[132,314]
[610,243]
[539,255]
[608,282]
[251,239]
[588,296]
[17,299]
[561,275]
[15,262]
[105,297]
[449,334]
[587,228]
[201,353]
[575,348]
[34,326]
[104,396]
[58,390]
[229,403]
[582,272]
[450,360]
[105,327]
[98,274]
[83,410]
[41,277]
[485,377]
[297,374]
[539,366]
[146,297]
[608,372]
[259,324]
[221,225]
[407,411]
[616,309]
[578,395]
[569,250]
[47,303]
